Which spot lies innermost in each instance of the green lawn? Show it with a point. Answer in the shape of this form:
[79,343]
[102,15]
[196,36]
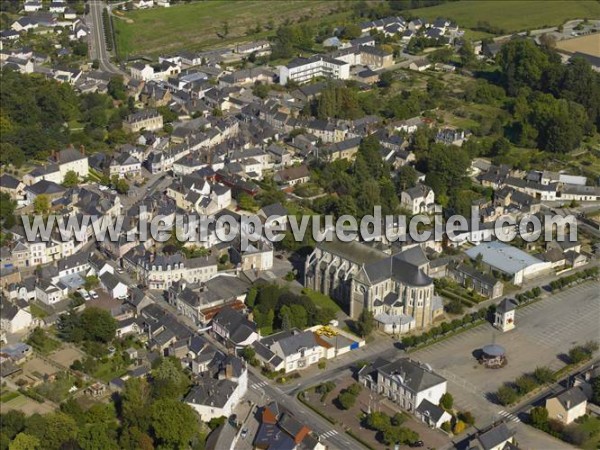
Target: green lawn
[510,16]
[198,25]
[321,300]
[7,396]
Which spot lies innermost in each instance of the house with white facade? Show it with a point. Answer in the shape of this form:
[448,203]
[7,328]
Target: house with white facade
[303,70]
[297,349]
[14,316]
[418,200]
[217,395]
[405,382]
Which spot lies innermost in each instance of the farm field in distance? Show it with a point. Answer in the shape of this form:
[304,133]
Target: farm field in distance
[508,15]
[196,26]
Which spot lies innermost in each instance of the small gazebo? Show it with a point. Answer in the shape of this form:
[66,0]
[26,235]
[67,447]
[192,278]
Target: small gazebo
[493,356]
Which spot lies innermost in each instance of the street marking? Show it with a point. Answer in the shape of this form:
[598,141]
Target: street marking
[259,385]
[329,434]
[509,416]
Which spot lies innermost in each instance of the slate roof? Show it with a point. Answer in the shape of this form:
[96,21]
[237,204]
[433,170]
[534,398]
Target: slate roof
[211,392]
[571,397]
[494,437]
[415,377]
[428,409]
[506,305]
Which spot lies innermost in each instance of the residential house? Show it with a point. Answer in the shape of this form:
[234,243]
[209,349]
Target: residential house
[113,286]
[148,120]
[297,349]
[418,200]
[567,406]
[217,394]
[497,437]
[292,176]
[234,328]
[14,315]
[477,281]
[405,382]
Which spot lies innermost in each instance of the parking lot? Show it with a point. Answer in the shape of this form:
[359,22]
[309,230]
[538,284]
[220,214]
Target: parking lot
[544,332]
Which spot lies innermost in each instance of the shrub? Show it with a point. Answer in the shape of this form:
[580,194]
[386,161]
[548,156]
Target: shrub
[459,427]
[346,400]
[447,427]
[525,384]
[322,364]
[446,401]
[467,417]
[506,395]
[543,375]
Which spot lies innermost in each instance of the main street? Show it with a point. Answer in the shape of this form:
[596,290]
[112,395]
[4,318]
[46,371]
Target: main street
[98,49]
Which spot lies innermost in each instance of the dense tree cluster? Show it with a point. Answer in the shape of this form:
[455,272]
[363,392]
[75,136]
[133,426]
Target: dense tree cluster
[291,38]
[37,113]
[276,308]
[555,104]
[357,188]
[337,101]
[93,324]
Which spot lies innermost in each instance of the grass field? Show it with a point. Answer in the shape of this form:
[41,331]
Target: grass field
[511,16]
[321,300]
[198,25]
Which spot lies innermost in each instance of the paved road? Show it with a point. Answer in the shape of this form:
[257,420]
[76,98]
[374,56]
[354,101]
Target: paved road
[98,49]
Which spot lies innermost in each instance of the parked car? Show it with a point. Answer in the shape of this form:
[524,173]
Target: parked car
[416,444]
[84,294]
[244,433]
[93,294]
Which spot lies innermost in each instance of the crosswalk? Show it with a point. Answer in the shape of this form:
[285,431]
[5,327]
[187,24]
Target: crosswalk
[329,434]
[259,385]
[509,416]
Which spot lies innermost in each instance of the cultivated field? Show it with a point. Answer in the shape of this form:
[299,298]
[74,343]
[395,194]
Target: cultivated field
[590,45]
[511,16]
[201,24]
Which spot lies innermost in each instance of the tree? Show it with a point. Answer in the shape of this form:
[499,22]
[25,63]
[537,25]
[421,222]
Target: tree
[98,325]
[386,79]
[261,90]
[447,401]
[539,417]
[116,88]
[467,417]
[596,391]
[378,421]
[41,204]
[467,55]
[173,423]
[170,381]
[71,179]
[506,395]
[53,429]
[7,210]
[365,323]
[525,384]
[91,282]
[23,441]
[406,178]
[543,375]
[346,400]
[97,436]
[351,31]
[459,427]
[135,404]
[13,422]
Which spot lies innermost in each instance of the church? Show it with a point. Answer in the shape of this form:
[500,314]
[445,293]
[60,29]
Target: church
[396,287]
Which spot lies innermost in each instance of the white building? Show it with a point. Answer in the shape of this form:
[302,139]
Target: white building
[504,317]
[405,382]
[217,396]
[14,317]
[418,200]
[298,349]
[302,70]
[509,260]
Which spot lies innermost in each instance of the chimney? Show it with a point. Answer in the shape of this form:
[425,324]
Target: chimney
[229,371]
[568,404]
